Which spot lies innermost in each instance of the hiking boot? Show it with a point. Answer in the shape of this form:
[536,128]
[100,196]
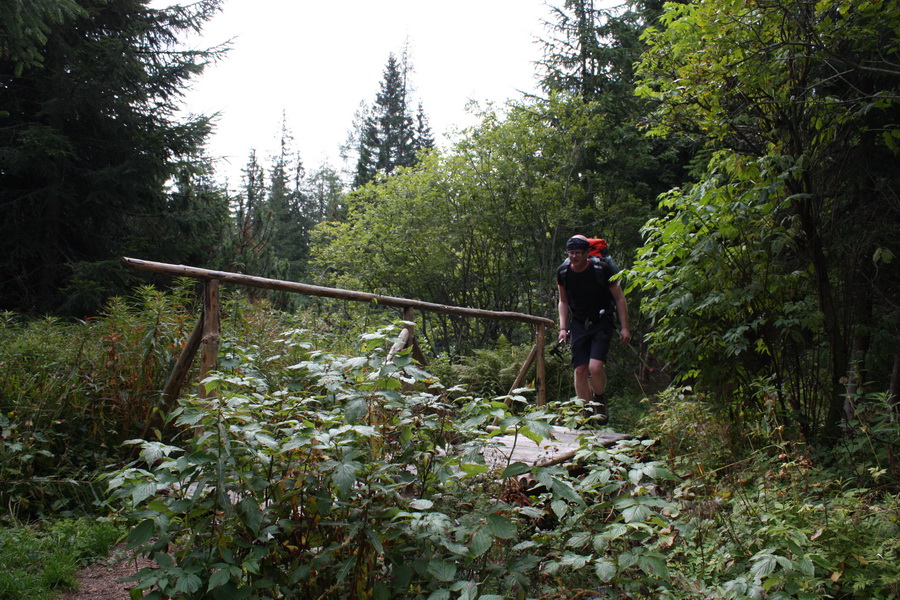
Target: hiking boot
[601,413]
[594,412]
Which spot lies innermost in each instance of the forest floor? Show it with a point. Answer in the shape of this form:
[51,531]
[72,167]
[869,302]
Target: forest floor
[101,580]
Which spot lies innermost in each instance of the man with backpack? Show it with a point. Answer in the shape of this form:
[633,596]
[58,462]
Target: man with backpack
[587,299]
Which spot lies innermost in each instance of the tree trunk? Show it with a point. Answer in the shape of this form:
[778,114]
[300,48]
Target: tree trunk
[832,320]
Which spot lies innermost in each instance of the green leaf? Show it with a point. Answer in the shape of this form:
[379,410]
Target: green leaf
[441,570]
[188,583]
[416,373]
[471,469]
[142,491]
[653,565]
[605,570]
[501,527]
[217,579]
[344,476]
[356,410]
[615,531]
[763,565]
[559,507]
[576,561]
[514,470]
[565,489]
[141,534]
[250,514]
[481,542]
[637,513]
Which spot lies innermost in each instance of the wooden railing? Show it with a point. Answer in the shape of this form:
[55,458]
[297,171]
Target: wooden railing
[205,335]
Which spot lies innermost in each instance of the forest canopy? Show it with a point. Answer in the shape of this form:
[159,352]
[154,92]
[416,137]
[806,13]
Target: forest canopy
[738,156]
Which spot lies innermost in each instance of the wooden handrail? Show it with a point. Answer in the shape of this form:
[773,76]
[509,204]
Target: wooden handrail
[206,334]
[315,290]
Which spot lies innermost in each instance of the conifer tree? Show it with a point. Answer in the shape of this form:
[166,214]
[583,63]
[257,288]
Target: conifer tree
[249,246]
[424,139]
[291,218]
[89,138]
[389,136]
[326,195]
[588,65]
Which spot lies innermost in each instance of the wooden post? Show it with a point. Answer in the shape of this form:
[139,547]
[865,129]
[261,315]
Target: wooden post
[537,353]
[183,364]
[209,345]
[540,380]
[523,371]
[407,336]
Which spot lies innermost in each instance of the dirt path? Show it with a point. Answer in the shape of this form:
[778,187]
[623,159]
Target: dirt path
[100,581]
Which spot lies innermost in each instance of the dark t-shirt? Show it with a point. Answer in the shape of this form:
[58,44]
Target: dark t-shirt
[588,294]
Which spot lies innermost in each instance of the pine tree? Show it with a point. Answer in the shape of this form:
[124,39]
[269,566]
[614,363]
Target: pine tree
[588,71]
[248,249]
[389,137]
[291,219]
[424,140]
[89,137]
[326,195]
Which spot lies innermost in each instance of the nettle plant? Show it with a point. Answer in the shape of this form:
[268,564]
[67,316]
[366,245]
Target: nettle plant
[360,478]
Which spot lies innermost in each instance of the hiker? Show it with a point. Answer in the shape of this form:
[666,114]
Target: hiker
[587,299]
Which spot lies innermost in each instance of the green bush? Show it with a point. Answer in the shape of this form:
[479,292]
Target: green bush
[775,518]
[361,479]
[71,392]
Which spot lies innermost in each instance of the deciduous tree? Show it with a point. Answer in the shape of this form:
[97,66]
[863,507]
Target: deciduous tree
[796,102]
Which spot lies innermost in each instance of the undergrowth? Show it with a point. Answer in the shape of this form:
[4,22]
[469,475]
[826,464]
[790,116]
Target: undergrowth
[319,469]
[38,562]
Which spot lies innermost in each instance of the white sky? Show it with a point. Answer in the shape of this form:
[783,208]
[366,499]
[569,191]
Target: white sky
[316,60]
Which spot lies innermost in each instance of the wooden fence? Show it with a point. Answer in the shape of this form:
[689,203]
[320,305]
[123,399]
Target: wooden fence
[205,335]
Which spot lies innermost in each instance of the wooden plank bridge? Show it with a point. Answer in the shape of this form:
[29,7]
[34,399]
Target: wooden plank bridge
[559,448]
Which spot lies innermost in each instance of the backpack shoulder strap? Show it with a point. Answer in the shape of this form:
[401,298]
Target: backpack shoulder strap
[600,270]
[561,272]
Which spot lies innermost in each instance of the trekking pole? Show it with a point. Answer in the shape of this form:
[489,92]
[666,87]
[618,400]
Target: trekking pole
[557,351]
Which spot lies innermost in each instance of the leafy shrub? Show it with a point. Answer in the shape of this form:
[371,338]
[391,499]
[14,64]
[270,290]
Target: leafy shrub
[790,532]
[687,429]
[359,479]
[71,392]
[869,448]
[490,372]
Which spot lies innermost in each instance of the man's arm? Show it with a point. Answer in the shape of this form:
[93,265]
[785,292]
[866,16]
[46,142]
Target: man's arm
[563,308]
[622,308]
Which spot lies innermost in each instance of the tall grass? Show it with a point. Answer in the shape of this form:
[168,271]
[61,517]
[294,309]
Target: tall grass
[72,392]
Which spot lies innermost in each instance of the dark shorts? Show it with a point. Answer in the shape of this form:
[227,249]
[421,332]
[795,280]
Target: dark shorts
[591,341]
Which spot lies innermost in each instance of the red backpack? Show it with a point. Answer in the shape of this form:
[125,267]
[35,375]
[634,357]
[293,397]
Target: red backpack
[599,247]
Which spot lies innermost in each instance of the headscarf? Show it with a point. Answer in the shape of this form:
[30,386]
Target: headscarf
[577,243]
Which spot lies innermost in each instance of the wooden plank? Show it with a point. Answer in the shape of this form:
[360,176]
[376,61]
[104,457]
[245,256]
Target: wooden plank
[561,447]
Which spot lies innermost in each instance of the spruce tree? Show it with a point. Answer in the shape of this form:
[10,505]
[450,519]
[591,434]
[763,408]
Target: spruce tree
[291,218]
[248,248]
[89,138]
[588,70]
[389,136]
[424,139]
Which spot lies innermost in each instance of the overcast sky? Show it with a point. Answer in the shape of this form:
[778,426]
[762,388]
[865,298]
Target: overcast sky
[316,60]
